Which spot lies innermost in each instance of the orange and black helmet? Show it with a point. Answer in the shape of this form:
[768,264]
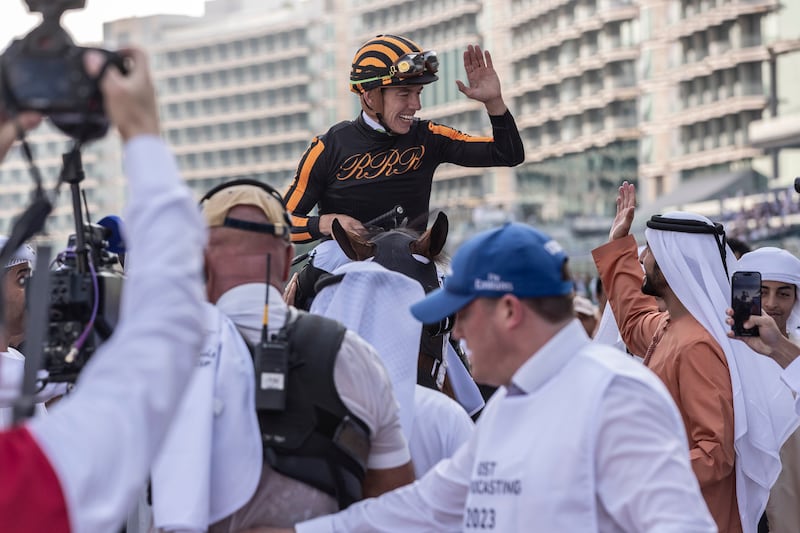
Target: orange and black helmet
[391,60]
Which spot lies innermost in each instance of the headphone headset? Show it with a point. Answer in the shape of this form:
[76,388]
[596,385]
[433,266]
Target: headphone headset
[663,223]
[253,226]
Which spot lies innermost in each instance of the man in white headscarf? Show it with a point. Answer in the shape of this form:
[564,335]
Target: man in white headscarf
[374,302]
[736,412]
[780,279]
[15,278]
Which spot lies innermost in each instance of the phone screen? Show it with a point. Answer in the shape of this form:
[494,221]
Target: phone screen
[745,301]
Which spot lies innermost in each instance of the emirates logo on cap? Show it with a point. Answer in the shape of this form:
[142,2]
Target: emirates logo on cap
[493,282]
[553,247]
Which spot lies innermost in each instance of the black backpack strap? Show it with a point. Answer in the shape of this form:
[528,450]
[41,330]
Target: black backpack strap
[316,440]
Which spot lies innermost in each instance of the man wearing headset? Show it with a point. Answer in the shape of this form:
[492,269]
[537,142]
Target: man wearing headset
[230,462]
[361,169]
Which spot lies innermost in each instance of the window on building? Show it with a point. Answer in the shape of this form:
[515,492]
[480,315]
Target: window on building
[750,74]
[750,26]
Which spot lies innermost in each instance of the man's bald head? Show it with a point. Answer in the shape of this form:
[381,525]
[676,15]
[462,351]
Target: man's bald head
[237,256]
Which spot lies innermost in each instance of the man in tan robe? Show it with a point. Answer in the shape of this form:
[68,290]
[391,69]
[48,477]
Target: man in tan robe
[736,411]
[684,355]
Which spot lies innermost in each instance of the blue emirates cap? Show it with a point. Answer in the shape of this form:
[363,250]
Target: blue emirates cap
[513,259]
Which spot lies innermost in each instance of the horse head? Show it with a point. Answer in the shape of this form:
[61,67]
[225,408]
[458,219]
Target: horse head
[414,255]
[401,250]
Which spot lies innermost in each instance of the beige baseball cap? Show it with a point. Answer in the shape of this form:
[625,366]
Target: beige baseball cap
[216,207]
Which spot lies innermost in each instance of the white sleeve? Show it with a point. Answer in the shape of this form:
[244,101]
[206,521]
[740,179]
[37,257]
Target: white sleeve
[644,479]
[791,377]
[365,389]
[461,429]
[12,371]
[440,427]
[101,440]
[434,503]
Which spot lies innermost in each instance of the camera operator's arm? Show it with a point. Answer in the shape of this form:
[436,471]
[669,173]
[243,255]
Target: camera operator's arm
[9,126]
[101,440]
[133,111]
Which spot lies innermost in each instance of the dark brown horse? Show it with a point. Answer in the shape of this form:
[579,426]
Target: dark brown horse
[415,255]
[406,251]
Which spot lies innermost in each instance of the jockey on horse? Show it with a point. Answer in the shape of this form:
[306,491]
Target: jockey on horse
[360,169]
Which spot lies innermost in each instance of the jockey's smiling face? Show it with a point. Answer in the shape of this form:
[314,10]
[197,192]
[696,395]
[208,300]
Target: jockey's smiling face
[399,106]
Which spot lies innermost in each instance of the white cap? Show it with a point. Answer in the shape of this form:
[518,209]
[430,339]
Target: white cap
[24,254]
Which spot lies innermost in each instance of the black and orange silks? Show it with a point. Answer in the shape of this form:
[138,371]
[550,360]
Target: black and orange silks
[357,171]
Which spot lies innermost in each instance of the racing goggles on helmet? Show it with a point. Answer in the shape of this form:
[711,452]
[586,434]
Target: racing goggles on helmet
[414,64]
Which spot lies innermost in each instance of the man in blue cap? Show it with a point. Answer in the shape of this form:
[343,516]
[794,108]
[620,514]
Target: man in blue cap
[578,437]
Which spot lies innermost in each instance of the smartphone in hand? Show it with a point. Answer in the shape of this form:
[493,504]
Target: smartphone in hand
[745,301]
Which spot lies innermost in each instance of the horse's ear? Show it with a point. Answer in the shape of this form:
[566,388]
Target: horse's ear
[431,243]
[353,246]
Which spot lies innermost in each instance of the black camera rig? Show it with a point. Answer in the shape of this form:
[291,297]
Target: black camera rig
[74,308]
[85,291]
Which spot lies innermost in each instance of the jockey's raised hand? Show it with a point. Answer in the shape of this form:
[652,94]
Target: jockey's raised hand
[484,84]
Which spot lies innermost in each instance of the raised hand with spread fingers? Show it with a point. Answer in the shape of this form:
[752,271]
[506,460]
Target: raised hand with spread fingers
[484,83]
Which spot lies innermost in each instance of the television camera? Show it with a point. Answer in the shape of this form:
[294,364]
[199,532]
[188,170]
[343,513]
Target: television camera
[78,302]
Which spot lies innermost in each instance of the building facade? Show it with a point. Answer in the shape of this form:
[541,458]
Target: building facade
[238,89]
[575,91]
[702,85]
